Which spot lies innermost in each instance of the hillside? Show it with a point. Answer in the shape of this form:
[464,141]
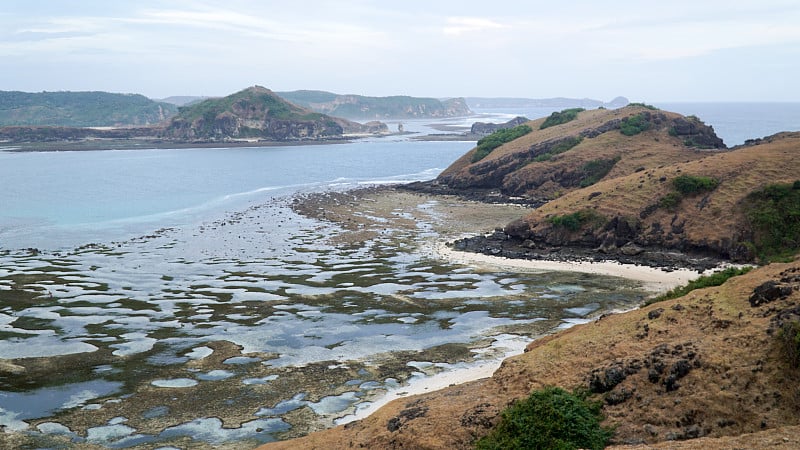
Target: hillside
[746,212]
[81,109]
[361,107]
[547,163]
[708,365]
[258,113]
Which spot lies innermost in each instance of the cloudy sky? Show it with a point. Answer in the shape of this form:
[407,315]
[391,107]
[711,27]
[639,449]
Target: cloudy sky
[677,50]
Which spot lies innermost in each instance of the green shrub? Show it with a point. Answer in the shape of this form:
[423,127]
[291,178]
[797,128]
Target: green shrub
[551,418]
[561,117]
[671,200]
[633,125]
[574,221]
[596,169]
[498,138]
[789,337]
[644,105]
[715,279]
[774,217]
[690,184]
[566,144]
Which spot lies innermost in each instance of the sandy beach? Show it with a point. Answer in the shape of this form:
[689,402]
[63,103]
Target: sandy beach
[653,279]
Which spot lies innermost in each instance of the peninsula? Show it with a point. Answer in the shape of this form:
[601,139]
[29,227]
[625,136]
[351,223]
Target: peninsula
[712,365]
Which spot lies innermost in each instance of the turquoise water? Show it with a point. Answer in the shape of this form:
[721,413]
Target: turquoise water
[65,199]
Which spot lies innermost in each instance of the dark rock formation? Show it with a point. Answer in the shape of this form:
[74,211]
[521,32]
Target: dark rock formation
[485,128]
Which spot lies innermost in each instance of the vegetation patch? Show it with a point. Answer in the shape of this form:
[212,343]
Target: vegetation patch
[774,217]
[690,184]
[685,185]
[596,169]
[789,338]
[561,147]
[550,418]
[574,221]
[498,138]
[715,279]
[560,117]
[644,105]
[633,125]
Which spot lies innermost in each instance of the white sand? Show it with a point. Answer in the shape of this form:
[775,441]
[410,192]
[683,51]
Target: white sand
[652,279]
[420,384]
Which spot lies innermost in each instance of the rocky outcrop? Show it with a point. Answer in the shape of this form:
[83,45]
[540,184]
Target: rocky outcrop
[485,128]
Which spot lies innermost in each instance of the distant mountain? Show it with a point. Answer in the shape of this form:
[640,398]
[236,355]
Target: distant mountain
[81,109]
[556,102]
[183,100]
[258,113]
[372,108]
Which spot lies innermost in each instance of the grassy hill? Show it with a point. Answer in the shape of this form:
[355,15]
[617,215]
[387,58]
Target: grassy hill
[742,204]
[256,113]
[361,107]
[552,160]
[638,179]
[81,109]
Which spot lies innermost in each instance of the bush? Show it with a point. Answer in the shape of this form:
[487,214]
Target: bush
[574,221]
[633,125]
[498,138]
[715,279]
[566,144]
[789,337]
[644,105]
[671,200]
[774,217]
[690,184]
[558,118]
[596,169]
[550,418]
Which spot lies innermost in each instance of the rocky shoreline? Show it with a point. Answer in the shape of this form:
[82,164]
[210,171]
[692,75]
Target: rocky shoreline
[499,242]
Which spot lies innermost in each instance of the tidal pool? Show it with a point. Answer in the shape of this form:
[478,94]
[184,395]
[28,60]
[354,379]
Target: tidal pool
[255,327]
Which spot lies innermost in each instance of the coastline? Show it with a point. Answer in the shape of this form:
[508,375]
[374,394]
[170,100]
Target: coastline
[342,208]
[652,278]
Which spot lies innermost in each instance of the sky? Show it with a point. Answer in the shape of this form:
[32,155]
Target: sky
[652,51]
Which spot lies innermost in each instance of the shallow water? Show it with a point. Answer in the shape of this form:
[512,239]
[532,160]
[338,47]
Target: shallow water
[255,327]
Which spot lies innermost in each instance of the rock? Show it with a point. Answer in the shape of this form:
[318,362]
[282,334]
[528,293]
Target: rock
[619,396]
[631,249]
[768,292]
[7,367]
[655,314]
[483,128]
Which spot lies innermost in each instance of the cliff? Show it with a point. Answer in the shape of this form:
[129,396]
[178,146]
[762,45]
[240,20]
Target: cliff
[370,108]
